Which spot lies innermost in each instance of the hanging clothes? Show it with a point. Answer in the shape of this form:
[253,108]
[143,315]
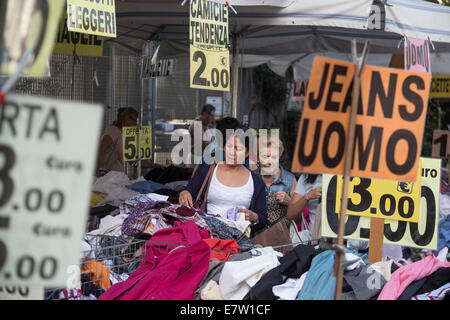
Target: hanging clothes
[165,273]
[404,276]
[320,283]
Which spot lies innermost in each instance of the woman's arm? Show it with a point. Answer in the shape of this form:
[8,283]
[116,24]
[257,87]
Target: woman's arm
[105,143]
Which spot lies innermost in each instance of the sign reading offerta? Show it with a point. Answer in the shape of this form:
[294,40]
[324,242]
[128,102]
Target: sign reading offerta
[92,17]
[389,123]
[48,150]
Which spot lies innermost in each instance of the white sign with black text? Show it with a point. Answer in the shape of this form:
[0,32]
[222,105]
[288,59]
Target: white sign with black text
[48,149]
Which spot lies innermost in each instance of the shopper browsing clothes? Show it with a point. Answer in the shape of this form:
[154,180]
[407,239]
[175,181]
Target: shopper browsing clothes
[308,192]
[110,154]
[232,185]
[280,183]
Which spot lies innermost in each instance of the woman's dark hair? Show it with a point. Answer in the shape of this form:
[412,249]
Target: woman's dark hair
[311,178]
[121,113]
[232,124]
[208,108]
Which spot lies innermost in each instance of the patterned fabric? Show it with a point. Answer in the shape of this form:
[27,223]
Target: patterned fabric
[222,231]
[275,210]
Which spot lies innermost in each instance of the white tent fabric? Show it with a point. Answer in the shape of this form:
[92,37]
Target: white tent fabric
[302,63]
[294,26]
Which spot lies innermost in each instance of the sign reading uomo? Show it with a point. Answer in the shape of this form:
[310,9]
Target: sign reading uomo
[389,123]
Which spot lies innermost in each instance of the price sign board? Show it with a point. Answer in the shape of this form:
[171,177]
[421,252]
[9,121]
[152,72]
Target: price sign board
[209,54]
[48,150]
[441,144]
[84,45]
[91,17]
[389,121]
[130,143]
[421,234]
[378,198]
[21,293]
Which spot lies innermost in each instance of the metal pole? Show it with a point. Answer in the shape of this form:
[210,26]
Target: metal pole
[151,95]
[113,71]
[340,249]
[234,111]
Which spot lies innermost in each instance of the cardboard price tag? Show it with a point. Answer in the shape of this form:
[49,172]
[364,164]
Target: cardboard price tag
[209,55]
[389,122]
[48,149]
[130,143]
[441,144]
[21,293]
[377,198]
[421,234]
[91,17]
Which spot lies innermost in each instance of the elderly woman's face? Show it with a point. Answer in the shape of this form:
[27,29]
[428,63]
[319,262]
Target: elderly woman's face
[269,159]
[235,151]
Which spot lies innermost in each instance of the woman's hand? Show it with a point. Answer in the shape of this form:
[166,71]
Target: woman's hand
[283,198]
[250,215]
[315,193]
[185,198]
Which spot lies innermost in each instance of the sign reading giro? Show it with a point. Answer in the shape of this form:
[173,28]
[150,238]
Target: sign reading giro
[389,123]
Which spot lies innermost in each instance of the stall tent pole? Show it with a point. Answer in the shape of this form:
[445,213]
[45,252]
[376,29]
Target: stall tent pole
[339,248]
[236,43]
[152,101]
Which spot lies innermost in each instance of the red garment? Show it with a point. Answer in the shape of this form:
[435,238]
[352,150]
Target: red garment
[165,273]
[225,245]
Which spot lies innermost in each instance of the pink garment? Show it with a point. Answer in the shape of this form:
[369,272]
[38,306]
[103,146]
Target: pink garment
[167,272]
[404,276]
[305,213]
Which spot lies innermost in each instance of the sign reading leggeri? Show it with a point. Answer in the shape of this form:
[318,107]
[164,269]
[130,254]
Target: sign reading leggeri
[92,17]
[389,122]
[68,42]
[209,55]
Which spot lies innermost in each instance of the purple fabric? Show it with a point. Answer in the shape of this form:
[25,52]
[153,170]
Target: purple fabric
[167,274]
[233,214]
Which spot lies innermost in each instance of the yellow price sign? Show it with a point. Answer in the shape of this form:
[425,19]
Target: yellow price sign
[92,17]
[377,198]
[130,143]
[210,68]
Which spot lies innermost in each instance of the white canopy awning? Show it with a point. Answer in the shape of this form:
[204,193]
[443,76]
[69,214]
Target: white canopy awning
[290,26]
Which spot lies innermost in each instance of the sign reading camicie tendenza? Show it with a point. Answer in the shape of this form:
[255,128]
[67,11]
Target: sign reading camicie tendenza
[389,122]
[209,54]
[48,150]
[92,17]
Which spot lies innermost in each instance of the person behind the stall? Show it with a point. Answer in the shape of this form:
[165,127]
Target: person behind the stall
[280,183]
[110,154]
[207,120]
[308,192]
[232,184]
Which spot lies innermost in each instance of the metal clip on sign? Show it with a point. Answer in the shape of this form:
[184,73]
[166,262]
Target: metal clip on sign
[431,42]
